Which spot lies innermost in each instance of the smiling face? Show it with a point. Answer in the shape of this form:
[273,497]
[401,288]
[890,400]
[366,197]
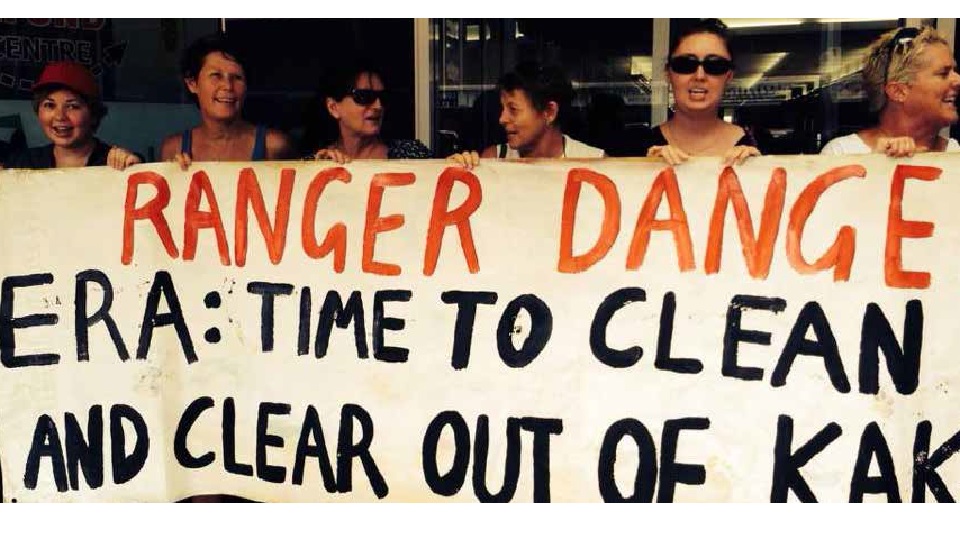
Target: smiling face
[220,87]
[699,91]
[359,119]
[522,122]
[66,118]
[931,94]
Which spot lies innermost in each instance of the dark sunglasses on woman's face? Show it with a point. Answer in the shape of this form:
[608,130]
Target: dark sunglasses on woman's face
[688,63]
[365,96]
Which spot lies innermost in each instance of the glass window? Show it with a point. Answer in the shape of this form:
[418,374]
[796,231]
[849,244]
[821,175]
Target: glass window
[607,60]
[797,83]
[136,62]
[134,59]
[288,59]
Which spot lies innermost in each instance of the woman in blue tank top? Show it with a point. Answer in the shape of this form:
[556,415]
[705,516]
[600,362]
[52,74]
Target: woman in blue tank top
[213,74]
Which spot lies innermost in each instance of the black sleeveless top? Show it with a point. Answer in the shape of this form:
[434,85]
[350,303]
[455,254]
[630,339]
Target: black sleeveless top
[638,146]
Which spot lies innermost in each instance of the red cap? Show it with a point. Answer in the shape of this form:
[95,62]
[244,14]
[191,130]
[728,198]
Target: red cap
[72,75]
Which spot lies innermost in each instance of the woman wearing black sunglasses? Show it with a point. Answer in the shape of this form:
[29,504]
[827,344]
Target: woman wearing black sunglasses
[213,74]
[699,68]
[912,85]
[353,98]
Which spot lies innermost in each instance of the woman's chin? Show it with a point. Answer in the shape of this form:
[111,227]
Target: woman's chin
[697,107]
[369,133]
[223,116]
[71,143]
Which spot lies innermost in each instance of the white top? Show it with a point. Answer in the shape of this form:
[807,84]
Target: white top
[853,144]
[572,148]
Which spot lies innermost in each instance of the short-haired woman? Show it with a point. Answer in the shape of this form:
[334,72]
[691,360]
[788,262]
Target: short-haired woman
[213,73]
[534,104]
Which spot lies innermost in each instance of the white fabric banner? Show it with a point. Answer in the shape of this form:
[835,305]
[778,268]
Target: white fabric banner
[528,331]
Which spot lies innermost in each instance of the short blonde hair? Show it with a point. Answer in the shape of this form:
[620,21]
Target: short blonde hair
[888,62]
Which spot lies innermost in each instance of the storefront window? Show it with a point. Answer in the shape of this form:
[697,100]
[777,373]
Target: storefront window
[134,59]
[797,82]
[136,62]
[286,69]
[607,60]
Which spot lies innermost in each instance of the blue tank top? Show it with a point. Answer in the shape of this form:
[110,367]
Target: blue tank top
[259,143]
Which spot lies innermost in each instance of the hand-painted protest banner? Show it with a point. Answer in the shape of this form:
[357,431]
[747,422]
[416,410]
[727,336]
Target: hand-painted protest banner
[553,331]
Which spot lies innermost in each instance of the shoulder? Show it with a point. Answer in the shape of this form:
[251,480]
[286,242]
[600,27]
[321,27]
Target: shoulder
[489,152]
[279,145]
[636,141]
[100,153]
[38,157]
[742,135]
[407,149]
[654,136]
[170,146]
[577,149]
[848,144]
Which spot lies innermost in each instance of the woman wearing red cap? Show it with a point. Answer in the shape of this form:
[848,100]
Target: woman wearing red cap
[213,74]
[67,102]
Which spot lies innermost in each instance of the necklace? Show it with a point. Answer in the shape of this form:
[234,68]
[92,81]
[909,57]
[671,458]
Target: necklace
[707,141]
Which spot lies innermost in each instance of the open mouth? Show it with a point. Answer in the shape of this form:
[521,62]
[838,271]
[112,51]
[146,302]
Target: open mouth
[62,131]
[225,101]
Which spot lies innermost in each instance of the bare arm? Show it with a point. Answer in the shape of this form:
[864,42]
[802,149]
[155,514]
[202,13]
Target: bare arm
[170,151]
[170,147]
[489,152]
[278,145]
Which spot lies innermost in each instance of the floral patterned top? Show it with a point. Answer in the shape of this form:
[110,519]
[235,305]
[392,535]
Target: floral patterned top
[407,149]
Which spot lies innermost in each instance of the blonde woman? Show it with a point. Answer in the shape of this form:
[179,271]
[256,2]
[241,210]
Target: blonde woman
[912,84]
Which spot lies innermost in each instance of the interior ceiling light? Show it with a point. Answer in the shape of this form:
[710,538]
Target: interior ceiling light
[762,64]
[849,62]
[641,65]
[761,23]
[852,20]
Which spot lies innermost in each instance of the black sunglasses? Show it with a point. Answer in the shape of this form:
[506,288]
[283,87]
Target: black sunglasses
[688,63]
[365,96]
[899,43]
